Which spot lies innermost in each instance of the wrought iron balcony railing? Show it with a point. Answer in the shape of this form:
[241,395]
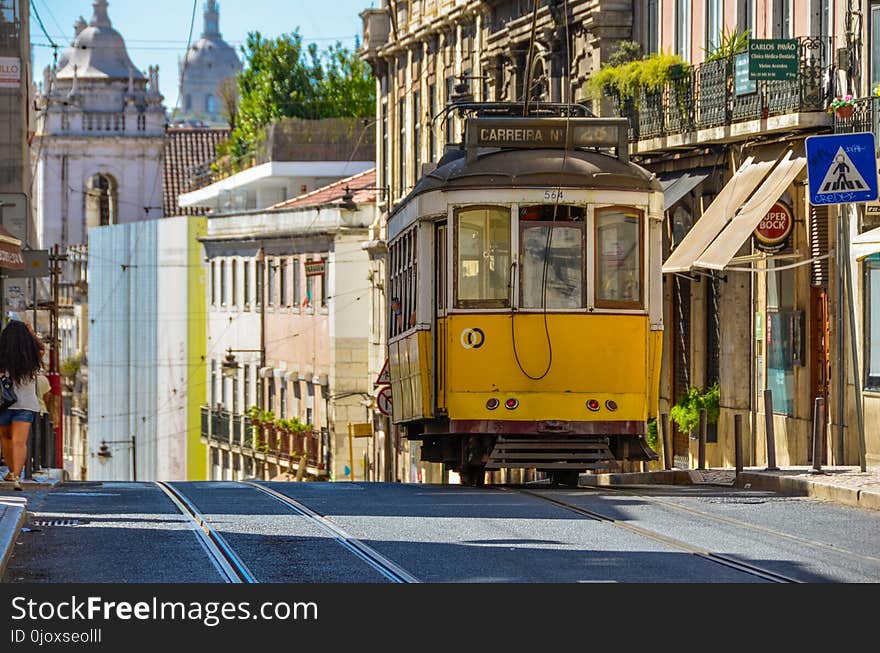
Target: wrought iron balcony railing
[708,96]
[865,118]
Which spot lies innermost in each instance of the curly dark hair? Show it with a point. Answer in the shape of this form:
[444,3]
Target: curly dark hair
[19,352]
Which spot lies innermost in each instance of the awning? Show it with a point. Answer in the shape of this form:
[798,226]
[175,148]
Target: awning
[10,251]
[680,184]
[865,244]
[718,214]
[729,241]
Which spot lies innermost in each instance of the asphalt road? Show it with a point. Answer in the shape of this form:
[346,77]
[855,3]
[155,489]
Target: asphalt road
[133,533]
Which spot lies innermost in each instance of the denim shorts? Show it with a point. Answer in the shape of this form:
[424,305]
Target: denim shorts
[9,416]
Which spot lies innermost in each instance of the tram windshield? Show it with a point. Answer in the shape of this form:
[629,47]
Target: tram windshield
[618,258]
[483,253]
[552,273]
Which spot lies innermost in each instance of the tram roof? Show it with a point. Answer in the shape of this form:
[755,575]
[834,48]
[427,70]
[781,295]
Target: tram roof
[536,168]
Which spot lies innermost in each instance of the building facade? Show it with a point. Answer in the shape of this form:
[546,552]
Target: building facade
[99,138]
[288,334]
[729,150]
[146,367]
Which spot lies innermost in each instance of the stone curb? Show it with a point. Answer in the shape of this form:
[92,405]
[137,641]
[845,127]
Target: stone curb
[13,513]
[790,486]
[807,488]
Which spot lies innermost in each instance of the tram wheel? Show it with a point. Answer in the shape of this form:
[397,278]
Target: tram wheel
[473,475]
[568,477]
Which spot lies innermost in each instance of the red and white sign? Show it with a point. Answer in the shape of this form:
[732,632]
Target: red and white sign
[384,377]
[776,226]
[383,400]
[10,72]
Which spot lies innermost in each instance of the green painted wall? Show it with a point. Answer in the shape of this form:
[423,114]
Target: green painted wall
[197,337]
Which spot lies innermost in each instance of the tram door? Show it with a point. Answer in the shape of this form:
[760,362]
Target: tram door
[441,263]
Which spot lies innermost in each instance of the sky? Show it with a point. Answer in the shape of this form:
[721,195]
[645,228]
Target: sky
[156,31]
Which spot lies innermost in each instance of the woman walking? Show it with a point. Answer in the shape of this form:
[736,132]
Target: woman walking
[20,362]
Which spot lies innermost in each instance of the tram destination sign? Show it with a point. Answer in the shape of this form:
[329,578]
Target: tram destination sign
[547,133]
[774,59]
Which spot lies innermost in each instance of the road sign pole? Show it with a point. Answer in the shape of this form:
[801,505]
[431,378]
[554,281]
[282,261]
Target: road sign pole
[857,386]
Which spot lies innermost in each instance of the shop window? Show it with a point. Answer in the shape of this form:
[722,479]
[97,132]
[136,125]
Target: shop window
[618,258]
[482,242]
[552,257]
[785,350]
[872,322]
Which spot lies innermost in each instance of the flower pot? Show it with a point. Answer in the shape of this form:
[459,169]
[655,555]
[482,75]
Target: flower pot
[846,111]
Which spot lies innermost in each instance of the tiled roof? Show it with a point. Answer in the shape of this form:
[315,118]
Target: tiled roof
[361,185]
[185,150]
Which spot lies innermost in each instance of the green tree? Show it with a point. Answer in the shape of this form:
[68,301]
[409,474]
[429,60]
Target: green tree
[283,78]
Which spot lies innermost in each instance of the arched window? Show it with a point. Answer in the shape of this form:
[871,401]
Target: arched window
[211,105]
[101,203]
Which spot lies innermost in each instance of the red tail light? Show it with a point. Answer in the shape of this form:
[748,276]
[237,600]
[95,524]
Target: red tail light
[511,404]
[593,405]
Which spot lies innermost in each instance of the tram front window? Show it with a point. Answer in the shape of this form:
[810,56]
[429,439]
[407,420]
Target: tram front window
[483,257]
[552,274]
[618,258]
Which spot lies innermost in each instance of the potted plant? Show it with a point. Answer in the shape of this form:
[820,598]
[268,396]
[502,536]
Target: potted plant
[842,106]
[686,412]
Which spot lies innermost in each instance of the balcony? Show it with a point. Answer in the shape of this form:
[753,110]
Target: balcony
[707,105]
[865,118]
[264,441]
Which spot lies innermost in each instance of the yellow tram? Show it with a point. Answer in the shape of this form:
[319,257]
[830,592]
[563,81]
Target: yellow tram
[525,286]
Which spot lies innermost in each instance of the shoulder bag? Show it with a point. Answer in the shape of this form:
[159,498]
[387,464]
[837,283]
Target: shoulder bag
[7,392]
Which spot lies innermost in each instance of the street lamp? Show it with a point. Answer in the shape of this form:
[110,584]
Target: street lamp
[229,366]
[104,454]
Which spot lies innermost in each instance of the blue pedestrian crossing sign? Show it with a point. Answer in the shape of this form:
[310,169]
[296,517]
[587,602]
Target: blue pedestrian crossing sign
[842,168]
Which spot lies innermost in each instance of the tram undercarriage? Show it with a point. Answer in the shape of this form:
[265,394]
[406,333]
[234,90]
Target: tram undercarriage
[563,455]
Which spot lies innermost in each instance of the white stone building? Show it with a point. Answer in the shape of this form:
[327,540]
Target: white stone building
[99,138]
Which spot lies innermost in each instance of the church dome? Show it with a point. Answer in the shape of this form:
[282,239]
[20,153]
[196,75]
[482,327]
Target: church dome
[209,52]
[98,51]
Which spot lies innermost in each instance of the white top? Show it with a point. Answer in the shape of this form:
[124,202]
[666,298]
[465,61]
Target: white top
[27,396]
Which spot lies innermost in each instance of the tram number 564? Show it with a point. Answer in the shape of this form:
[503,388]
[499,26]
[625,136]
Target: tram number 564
[553,195]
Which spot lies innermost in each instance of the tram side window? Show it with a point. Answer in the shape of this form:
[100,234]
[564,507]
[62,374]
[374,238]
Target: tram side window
[404,275]
[482,243]
[552,273]
[618,258]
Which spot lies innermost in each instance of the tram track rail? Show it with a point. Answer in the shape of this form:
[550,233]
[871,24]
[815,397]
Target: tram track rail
[387,568]
[746,525]
[230,567]
[699,552]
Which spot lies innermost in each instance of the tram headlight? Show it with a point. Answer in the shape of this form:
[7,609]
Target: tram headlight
[593,405]
[492,403]
[611,405]
[511,404]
